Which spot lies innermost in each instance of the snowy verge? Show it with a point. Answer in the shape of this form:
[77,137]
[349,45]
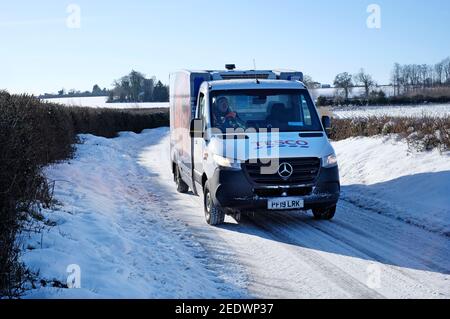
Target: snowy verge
[125,240]
[381,174]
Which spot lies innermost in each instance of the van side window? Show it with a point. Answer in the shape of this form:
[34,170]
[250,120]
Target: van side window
[305,110]
[201,106]
[202,110]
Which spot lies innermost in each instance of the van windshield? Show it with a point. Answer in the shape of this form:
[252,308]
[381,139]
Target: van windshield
[285,110]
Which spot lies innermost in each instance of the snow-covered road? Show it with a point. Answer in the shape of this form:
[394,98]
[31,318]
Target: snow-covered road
[133,235]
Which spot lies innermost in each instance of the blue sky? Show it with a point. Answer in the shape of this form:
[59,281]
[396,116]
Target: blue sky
[38,53]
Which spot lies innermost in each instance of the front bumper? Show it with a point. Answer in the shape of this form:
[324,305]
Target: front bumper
[234,190]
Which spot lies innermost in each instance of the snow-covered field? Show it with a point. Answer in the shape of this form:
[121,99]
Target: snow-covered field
[431,110]
[122,221]
[355,92]
[380,173]
[100,102]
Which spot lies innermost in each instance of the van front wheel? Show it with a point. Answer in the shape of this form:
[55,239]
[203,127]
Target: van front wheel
[182,187]
[324,213]
[214,215]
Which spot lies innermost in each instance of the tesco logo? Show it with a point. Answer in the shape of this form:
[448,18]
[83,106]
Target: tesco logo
[282,144]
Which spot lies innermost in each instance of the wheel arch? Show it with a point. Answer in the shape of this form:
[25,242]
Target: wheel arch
[204,180]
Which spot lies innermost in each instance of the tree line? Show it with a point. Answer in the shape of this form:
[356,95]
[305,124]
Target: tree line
[96,91]
[411,83]
[413,77]
[135,87]
[406,79]
[345,82]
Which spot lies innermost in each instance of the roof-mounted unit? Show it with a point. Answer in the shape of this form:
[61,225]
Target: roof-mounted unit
[289,75]
[243,75]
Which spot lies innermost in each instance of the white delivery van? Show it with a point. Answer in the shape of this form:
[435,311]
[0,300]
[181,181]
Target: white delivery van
[251,141]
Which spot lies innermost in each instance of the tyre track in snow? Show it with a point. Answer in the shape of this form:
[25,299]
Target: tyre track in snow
[387,240]
[327,269]
[351,287]
[293,228]
[289,255]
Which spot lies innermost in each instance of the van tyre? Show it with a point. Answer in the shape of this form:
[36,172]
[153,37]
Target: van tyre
[324,213]
[214,215]
[182,187]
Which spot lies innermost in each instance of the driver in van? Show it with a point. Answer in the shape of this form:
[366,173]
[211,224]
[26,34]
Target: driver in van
[224,117]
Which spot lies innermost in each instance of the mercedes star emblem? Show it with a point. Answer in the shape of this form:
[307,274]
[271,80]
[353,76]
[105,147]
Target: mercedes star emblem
[285,171]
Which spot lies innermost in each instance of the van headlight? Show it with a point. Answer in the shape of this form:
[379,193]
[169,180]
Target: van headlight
[227,162]
[329,161]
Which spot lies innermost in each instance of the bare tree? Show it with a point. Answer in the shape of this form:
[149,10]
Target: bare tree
[136,80]
[414,75]
[446,67]
[396,78]
[365,80]
[423,71]
[310,83]
[411,77]
[439,72]
[344,81]
[133,87]
[307,80]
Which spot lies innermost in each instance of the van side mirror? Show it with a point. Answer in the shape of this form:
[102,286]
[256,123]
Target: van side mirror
[196,128]
[326,122]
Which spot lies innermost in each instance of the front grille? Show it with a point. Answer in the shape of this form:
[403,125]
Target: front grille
[305,171]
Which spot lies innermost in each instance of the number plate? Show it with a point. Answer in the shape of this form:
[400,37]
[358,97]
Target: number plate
[285,203]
